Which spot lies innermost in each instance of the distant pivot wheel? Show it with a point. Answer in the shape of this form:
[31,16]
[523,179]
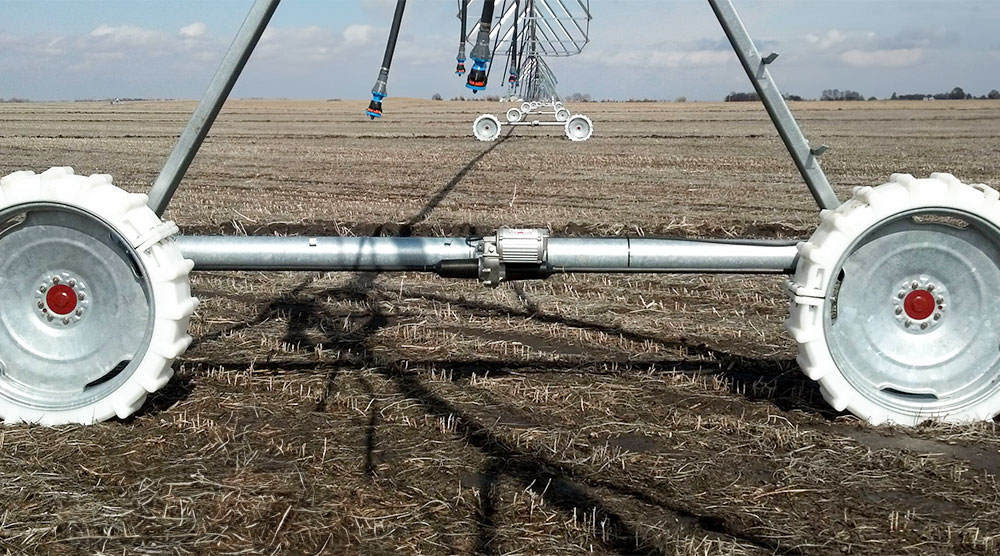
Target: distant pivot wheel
[525,107]
[562,114]
[514,115]
[579,128]
[894,302]
[486,127]
[95,300]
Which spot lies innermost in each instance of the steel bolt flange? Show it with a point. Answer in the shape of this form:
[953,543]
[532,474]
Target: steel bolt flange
[920,304]
[61,299]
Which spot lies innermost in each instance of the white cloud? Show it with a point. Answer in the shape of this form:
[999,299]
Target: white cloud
[894,58]
[194,30]
[295,46]
[290,47]
[832,38]
[690,59]
[658,58]
[358,35]
[127,35]
[55,46]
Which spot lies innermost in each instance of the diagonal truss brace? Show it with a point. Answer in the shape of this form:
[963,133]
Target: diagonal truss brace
[805,157]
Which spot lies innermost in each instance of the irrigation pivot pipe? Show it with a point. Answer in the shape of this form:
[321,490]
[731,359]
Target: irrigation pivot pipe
[805,157]
[211,103]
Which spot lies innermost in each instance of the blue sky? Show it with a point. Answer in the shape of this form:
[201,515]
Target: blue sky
[639,48]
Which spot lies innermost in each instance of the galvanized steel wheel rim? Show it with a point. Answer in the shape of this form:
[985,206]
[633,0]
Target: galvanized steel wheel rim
[579,128]
[118,283]
[944,362]
[486,127]
[71,359]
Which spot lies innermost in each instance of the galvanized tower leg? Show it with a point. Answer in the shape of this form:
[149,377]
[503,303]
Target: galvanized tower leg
[211,103]
[804,156]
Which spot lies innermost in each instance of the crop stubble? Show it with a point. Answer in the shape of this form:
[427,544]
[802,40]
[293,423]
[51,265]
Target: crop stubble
[346,413]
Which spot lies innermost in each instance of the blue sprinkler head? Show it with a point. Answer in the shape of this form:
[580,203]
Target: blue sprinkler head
[460,68]
[477,77]
[375,106]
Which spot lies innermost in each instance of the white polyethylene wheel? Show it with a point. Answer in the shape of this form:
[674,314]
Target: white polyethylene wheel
[486,127]
[562,114]
[579,128]
[94,299]
[525,107]
[514,115]
[894,305]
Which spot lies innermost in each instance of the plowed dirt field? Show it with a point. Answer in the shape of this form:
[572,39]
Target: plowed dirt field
[355,413]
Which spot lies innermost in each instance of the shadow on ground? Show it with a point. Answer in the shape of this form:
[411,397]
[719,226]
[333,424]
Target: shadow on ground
[777,381]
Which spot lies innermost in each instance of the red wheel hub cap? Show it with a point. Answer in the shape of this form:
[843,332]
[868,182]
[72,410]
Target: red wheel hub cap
[919,304]
[61,299]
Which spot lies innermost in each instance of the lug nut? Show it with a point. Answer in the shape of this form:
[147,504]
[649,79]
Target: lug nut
[914,285]
[72,283]
[82,296]
[923,326]
[899,310]
[937,316]
[42,289]
[65,321]
[930,287]
[79,312]
[41,305]
[901,294]
[55,279]
[49,317]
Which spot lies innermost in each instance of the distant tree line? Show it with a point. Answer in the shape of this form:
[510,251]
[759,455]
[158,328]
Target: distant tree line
[956,94]
[575,97]
[14,99]
[754,97]
[836,94]
[487,98]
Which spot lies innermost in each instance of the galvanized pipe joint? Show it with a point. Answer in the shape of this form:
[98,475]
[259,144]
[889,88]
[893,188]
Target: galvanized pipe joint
[508,254]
